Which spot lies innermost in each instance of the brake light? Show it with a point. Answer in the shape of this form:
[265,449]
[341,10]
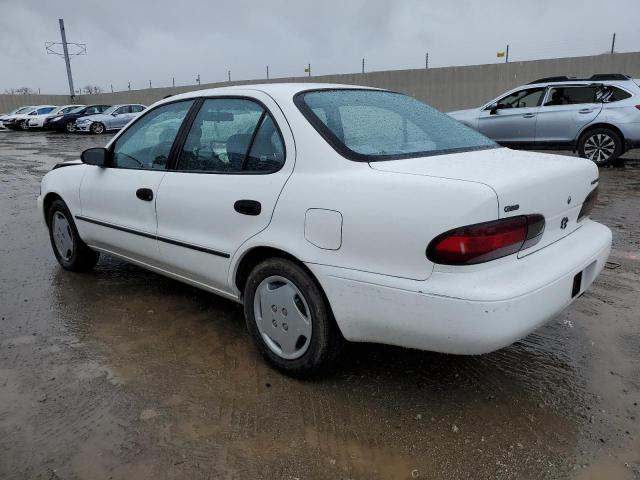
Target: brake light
[588,204]
[486,241]
[638,107]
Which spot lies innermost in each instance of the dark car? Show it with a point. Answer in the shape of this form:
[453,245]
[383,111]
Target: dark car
[66,122]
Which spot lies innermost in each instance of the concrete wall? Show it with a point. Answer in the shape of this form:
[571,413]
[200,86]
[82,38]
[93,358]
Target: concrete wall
[447,88]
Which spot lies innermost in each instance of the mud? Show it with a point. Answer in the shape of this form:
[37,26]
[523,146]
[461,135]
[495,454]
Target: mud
[124,374]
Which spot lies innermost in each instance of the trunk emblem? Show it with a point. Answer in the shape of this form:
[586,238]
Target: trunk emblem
[511,208]
[563,223]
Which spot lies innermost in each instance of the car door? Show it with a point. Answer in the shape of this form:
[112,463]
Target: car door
[567,108]
[118,209]
[512,119]
[120,117]
[228,174]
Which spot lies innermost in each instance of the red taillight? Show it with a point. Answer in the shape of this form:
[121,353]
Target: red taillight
[638,107]
[486,241]
[588,204]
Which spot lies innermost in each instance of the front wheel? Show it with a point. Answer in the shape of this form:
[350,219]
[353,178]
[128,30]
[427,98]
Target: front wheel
[96,128]
[289,319]
[24,125]
[70,126]
[70,251]
[600,145]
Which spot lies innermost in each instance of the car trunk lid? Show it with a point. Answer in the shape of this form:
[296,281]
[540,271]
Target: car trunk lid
[524,182]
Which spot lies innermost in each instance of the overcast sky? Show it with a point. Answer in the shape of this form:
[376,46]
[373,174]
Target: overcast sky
[135,41]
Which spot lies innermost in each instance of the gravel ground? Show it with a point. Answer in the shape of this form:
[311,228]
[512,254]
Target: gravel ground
[124,374]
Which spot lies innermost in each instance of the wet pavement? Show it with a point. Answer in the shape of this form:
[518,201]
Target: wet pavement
[124,374]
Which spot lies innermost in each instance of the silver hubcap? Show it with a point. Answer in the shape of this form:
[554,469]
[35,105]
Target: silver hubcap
[599,147]
[283,317]
[70,127]
[97,128]
[62,236]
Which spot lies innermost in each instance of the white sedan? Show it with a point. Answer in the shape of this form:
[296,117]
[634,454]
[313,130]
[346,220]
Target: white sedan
[335,212]
[37,121]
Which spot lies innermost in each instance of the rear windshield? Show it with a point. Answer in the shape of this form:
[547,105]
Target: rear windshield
[372,125]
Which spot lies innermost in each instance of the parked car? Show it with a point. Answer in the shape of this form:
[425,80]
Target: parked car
[14,112]
[336,212]
[19,121]
[113,118]
[598,116]
[67,121]
[37,121]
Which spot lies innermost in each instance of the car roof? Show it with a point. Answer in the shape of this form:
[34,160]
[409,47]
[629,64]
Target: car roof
[275,90]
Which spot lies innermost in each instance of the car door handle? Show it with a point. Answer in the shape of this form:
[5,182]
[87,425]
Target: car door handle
[248,207]
[528,115]
[145,194]
[585,110]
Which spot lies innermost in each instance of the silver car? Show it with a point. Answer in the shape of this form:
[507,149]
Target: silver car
[113,118]
[598,116]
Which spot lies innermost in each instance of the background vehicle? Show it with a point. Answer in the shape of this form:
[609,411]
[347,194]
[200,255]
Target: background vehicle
[13,112]
[37,121]
[113,118]
[18,121]
[597,116]
[272,195]
[66,122]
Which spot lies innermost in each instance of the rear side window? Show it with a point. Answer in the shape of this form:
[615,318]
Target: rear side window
[371,125]
[610,94]
[572,95]
[232,135]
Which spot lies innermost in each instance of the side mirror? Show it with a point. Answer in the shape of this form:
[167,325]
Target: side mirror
[95,156]
[114,114]
[493,108]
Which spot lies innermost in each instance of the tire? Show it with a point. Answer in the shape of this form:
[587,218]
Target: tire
[24,125]
[97,128]
[600,145]
[70,126]
[292,345]
[70,251]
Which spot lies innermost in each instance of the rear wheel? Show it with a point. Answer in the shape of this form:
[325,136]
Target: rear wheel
[97,128]
[70,251]
[70,126]
[289,319]
[600,145]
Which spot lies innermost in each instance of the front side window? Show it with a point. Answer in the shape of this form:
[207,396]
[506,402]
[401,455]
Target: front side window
[147,142]
[137,108]
[572,95]
[370,125]
[121,110]
[42,111]
[91,111]
[232,135]
[530,97]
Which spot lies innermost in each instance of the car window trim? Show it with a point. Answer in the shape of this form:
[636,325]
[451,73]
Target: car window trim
[110,150]
[575,85]
[265,111]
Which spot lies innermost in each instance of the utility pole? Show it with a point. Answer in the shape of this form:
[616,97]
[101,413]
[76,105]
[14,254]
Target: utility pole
[426,60]
[65,49]
[149,83]
[173,81]
[198,79]
[229,74]
[129,86]
[267,72]
[309,70]
[112,88]
[363,65]
[80,49]
[506,58]
[613,43]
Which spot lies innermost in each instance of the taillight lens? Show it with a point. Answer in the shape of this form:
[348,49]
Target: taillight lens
[486,241]
[638,107]
[588,204]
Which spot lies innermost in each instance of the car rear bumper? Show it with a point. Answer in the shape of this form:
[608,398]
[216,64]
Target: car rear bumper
[470,311]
